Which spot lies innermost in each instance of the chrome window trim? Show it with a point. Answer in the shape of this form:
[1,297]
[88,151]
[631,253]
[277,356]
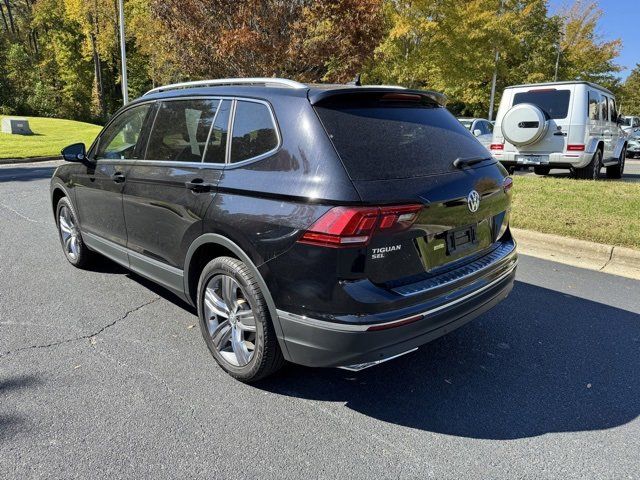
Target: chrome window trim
[274,122]
[362,327]
[230,123]
[202,163]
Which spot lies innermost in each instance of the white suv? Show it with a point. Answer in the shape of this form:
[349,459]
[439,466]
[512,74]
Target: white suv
[572,125]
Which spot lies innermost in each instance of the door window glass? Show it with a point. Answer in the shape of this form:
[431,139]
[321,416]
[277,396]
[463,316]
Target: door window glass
[253,131]
[594,109]
[614,110]
[218,139]
[180,130]
[120,138]
[604,108]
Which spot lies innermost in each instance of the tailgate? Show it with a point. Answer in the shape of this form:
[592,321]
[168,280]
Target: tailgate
[446,231]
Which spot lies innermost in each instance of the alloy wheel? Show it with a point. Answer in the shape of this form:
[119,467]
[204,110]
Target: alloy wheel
[230,320]
[69,233]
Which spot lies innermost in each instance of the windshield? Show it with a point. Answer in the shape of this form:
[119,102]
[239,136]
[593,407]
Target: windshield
[381,140]
[467,124]
[554,103]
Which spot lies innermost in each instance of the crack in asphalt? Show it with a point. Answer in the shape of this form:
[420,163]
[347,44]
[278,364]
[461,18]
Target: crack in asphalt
[609,259]
[21,215]
[81,337]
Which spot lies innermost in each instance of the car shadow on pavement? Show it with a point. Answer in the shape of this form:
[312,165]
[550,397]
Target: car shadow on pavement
[25,174]
[10,424]
[542,361]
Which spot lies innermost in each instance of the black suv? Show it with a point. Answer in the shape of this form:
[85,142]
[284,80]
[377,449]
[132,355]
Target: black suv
[326,225]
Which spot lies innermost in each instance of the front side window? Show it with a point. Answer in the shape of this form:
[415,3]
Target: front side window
[120,138]
[181,129]
[254,132]
[554,103]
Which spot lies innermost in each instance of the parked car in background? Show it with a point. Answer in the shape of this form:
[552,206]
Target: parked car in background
[572,125]
[630,124]
[326,225]
[480,128]
[633,144]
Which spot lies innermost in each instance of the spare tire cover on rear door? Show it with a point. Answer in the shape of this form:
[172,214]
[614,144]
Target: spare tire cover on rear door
[524,124]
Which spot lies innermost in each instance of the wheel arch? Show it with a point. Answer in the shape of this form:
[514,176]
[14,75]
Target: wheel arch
[211,245]
[57,192]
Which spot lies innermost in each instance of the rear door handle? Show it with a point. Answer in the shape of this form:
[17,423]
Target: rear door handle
[197,185]
[118,177]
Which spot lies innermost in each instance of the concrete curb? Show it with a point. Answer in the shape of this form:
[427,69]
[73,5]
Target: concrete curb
[7,161]
[579,253]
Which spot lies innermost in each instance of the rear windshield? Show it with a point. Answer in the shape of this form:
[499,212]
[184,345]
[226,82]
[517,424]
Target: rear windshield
[555,103]
[378,139]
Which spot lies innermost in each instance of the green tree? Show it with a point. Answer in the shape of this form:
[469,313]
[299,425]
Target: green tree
[584,55]
[630,95]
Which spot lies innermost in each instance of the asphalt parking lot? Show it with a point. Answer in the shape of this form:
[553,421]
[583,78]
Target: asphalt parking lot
[104,375]
[631,171]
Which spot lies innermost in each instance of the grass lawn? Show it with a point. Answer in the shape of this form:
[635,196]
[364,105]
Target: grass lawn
[603,211]
[50,136]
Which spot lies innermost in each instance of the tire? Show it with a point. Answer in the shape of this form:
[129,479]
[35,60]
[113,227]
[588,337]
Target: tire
[592,170]
[616,171]
[234,317]
[75,250]
[541,170]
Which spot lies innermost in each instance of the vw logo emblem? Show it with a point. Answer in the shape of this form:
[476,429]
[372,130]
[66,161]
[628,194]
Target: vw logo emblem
[473,201]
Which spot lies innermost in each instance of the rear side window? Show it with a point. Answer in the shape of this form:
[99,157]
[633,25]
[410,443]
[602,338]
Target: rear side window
[379,139]
[554,103]
[254,132]
[594,109]
[180,130]
[605,108]
[217,146]
[614,110]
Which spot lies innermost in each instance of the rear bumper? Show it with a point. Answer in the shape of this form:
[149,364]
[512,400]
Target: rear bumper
[556,160]
[321,343]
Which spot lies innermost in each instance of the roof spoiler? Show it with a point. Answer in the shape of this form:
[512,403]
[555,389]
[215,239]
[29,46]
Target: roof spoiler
[319,96]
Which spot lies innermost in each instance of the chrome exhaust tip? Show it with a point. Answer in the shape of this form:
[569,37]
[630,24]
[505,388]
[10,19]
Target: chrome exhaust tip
[361,366]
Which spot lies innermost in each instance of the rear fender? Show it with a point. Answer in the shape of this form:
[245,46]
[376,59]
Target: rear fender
[216,239]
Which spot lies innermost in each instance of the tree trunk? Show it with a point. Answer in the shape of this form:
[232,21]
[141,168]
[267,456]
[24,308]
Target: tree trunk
[4,19]
[10,15]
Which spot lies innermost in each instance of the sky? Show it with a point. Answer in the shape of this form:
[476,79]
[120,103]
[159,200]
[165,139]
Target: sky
[620,19]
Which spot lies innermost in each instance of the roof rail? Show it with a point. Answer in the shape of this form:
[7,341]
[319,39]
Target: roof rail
[258,81]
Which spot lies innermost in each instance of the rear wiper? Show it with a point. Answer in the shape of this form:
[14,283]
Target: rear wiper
[468,161]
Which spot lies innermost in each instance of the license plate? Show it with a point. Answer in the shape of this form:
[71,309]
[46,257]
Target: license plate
[532,159]
[461,239]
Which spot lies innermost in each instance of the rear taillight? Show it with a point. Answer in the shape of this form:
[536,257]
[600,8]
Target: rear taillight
[496,146]
[507,183]
[351,226]
[575,148]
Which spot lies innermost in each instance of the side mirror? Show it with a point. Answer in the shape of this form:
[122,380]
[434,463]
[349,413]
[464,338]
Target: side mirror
[477,132]
[75,153]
